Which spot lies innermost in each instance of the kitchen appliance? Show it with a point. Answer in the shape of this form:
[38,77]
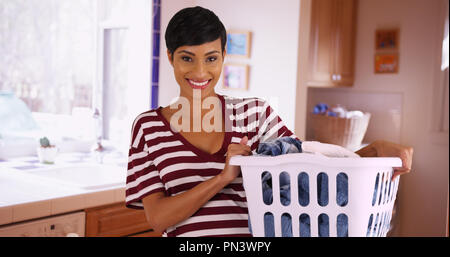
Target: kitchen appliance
[71,225]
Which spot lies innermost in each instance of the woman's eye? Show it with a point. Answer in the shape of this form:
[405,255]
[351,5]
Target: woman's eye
[211,59]
[186,58]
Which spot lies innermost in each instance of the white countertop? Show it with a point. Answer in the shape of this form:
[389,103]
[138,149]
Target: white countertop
[29,189]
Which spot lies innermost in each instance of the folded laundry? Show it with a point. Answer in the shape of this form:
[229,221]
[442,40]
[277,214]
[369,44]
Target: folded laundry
[329,150]
[286,145]
[335,111]
[282,145]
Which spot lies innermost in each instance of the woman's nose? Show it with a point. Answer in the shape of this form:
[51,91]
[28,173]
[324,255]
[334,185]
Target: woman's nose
[200,70]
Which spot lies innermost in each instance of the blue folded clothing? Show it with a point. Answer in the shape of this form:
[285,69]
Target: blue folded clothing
[282,145]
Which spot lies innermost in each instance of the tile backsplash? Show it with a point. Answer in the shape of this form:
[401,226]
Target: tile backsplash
[385,109]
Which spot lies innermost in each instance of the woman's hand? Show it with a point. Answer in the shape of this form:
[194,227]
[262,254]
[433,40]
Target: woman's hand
[230,172]
[381,148]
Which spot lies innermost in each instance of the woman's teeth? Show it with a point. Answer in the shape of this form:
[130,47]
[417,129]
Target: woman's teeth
[198,83]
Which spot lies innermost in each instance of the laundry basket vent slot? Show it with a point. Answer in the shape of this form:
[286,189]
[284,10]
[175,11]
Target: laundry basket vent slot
[269,229]
[388,178]
[389,198]
[286,224]
[369,227]
[266,183]
[322,189]
[381,189]
[375,189]
[285,188]
[324,228]
[342,225]
[303,189]
[305,225]
[342,189]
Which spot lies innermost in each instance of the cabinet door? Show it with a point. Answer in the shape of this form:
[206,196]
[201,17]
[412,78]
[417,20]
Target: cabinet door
[332,43]
[321,54]
[116,220]
[345,32]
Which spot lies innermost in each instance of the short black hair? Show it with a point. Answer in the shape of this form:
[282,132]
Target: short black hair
[194,26]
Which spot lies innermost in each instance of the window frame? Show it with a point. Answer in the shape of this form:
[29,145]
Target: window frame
[440,88]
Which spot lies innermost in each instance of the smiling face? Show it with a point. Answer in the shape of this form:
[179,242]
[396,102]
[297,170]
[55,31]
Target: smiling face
[197,67]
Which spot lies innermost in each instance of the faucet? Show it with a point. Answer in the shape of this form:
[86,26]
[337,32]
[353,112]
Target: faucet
[98,147]
[98,129]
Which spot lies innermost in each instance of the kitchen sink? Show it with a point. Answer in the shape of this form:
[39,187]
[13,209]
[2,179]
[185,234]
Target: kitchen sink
[86,176]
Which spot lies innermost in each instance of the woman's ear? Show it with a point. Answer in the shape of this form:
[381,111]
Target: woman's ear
[170,57]
[224,53]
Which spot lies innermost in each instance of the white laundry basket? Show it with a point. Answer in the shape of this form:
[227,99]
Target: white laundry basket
[371,193]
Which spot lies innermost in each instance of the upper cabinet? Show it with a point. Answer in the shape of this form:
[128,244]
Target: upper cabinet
[332,43]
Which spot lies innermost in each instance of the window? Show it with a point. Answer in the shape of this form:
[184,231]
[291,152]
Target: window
[443,126]
[440,110]
[47,50]
[66,59]
[445,46]
[114,83]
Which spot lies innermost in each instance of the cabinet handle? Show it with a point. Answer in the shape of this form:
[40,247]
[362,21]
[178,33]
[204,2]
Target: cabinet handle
[333,77]
[339,77]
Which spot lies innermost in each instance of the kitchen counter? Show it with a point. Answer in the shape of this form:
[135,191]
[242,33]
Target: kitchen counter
[30,190]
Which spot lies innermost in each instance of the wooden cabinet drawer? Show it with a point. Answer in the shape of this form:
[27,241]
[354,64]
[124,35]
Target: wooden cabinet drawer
[116,220]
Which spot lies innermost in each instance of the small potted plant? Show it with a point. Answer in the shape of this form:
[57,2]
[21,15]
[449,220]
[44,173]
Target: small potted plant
[46,152]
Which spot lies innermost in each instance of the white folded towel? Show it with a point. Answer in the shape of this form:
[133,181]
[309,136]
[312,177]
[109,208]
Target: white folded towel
[328,150]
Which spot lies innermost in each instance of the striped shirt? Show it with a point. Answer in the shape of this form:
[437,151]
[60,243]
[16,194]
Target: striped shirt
[161,160]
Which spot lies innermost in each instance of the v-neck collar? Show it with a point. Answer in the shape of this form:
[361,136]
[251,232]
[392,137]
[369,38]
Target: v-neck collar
[217,156]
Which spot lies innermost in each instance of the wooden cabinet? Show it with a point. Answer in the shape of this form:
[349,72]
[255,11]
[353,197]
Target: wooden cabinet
[332,43]
[116,220]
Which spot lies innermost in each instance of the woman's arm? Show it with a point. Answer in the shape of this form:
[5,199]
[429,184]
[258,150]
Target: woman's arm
[381,148]
[162,211]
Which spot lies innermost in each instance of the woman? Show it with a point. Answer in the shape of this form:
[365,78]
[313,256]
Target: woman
[180,174]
